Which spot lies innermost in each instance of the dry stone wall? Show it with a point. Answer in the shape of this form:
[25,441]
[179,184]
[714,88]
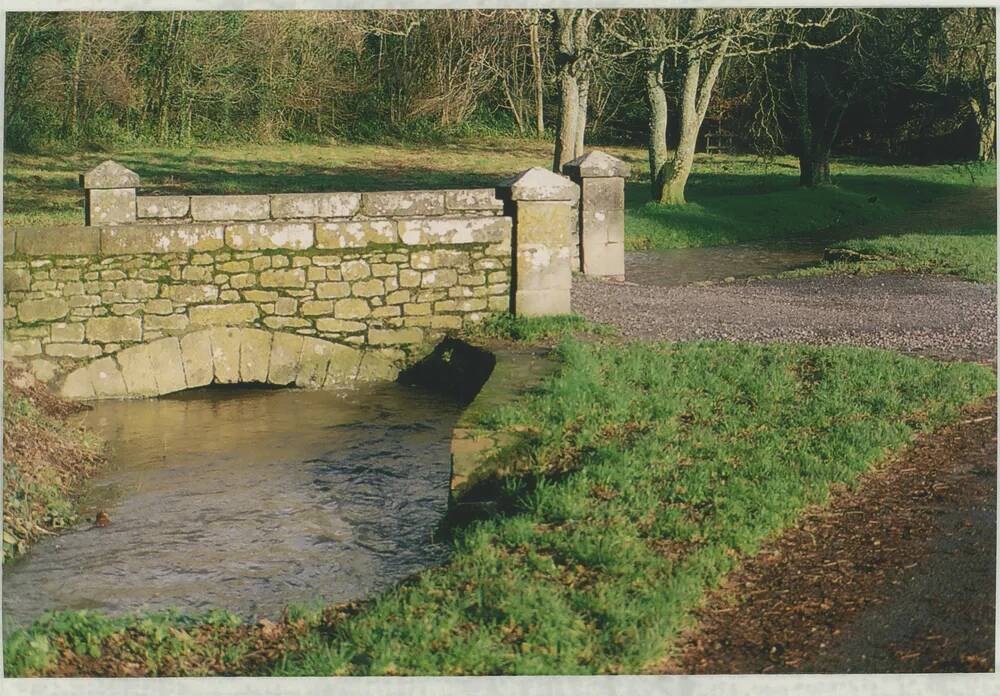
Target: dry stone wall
[372,273]
[160,293]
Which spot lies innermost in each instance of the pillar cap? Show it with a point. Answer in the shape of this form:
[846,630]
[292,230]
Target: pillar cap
[109,175]
[597,163]
[540,184]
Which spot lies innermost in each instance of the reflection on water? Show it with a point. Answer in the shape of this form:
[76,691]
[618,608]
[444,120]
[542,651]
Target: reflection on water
[249,499]
[674,267]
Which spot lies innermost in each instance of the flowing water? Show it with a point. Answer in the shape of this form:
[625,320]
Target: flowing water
[249,500]
[675,267]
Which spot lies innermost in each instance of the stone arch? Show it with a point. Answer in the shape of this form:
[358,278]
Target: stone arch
[225,355]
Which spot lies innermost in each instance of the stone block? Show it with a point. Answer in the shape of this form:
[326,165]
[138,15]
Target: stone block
[77,385]
[332,290]
[106,378]
[223,314]
[161,239]
[356,234]
[454,230]
[539,267]
[254,236]
[158,307]
[409,278]
[170,322]
[540,184]
[114,329]
[47,309]
[191,294]
[377,367]
[392,337]
[545,222]
[440,278]
[314,205]
[15,279]
[473,199]
[339,325]
[283,363]
[196,356]
[596,164]
[68,333]
[168,365]
[137,289]
[368,288]
[59,241]
[110,206]
[342,369]
[137,371]
[260,296]
[9,240]
[393,203]
[109,175]
[162,206]
[217,208]
[313,363]
[283,278]
[21,348]
[255,355]
[540,303]
[286,323]
[226,354]
[351,308]
[355,270]
[311,308]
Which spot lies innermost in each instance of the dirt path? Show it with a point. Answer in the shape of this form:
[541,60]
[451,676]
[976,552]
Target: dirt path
[929,315]
[896,576]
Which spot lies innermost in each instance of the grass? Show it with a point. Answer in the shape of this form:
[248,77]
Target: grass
[736,199]
[507,327]
[968,254]
[732,198]
[642,474]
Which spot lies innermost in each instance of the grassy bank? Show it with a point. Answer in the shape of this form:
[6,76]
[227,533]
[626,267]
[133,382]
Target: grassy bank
[737,199]
[45,460]
[642,474]
[731,198]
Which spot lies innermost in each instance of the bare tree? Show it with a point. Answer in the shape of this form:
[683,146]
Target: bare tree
[965,65]
[571,32]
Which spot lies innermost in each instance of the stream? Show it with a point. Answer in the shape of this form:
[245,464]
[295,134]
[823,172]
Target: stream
[249,499]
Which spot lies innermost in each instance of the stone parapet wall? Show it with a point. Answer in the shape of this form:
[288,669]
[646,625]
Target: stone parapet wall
[372,277]
[383,285]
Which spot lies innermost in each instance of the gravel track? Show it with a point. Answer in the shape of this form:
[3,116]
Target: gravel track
[935,316]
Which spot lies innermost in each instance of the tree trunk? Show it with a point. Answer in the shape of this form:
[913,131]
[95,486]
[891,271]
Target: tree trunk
[536,65]
[581,116]
[569,89]
[986,120]
[814,158]
[72,113]
[656,97]
[694,105]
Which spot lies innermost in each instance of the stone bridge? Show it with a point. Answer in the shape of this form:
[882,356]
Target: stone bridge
[155,294]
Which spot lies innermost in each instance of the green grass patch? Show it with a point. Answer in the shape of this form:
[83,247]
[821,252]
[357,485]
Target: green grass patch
[732,199]
[508,327]
[642,475]
[968,254]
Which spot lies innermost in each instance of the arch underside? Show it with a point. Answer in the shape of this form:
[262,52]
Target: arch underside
[225,355]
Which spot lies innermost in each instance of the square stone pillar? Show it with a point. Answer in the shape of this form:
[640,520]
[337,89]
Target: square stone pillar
[110,194]
[601,178]
[544,229]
